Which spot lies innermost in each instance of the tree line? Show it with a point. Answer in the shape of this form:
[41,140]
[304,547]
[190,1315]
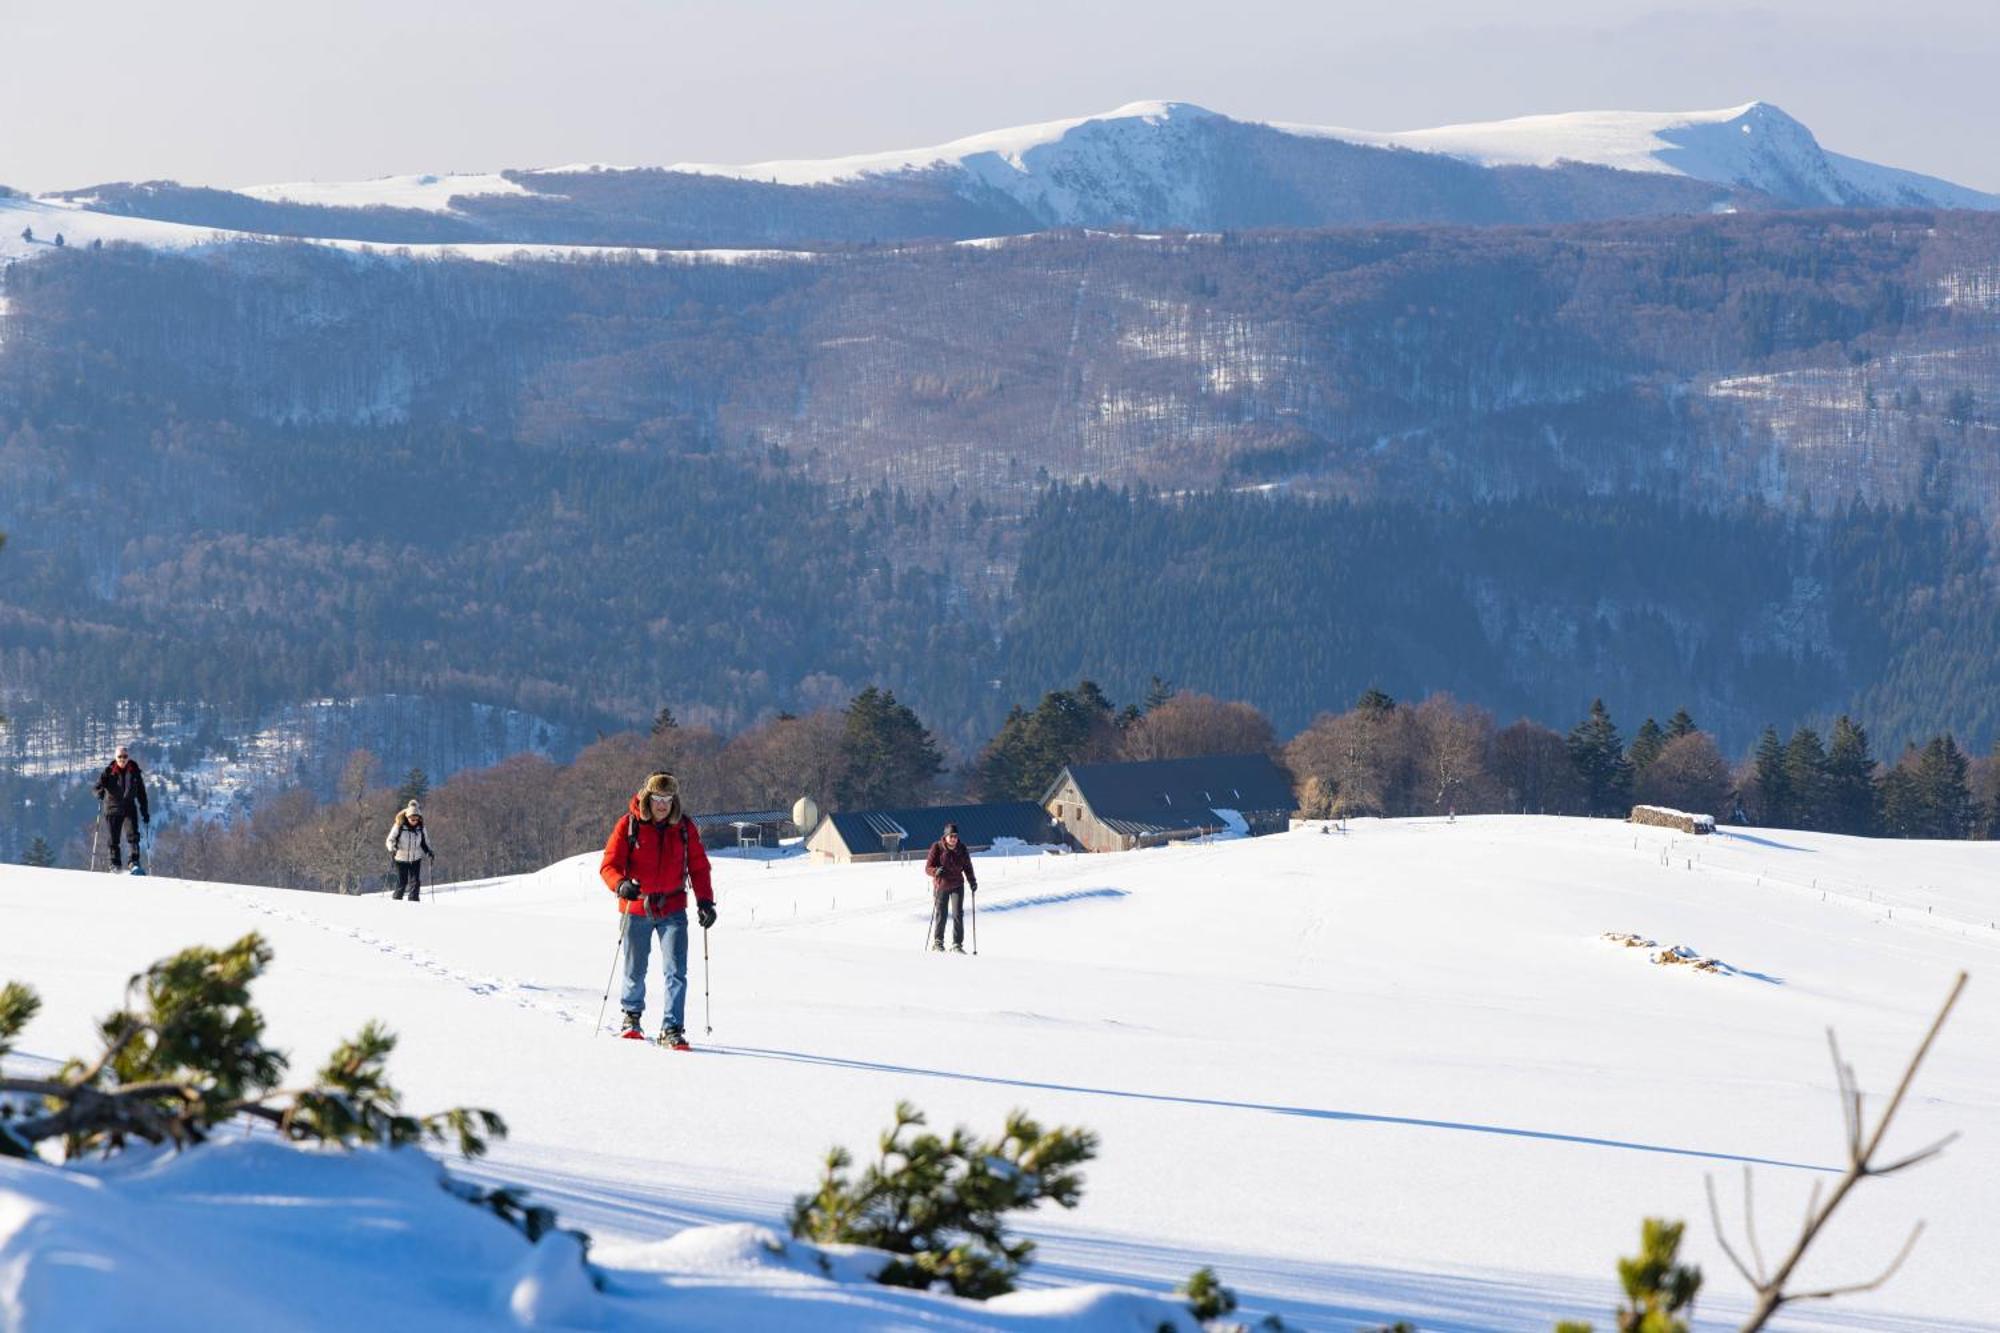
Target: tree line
[1380,757]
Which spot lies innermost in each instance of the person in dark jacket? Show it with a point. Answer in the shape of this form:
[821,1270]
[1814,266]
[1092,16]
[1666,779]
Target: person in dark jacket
[121,790]
[652,858]
[950,867]
[408,846]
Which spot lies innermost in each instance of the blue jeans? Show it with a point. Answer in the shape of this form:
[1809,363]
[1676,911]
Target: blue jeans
[673,932]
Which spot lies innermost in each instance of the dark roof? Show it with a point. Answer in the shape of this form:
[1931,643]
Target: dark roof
[745,817]
[978,825]
[1167,795]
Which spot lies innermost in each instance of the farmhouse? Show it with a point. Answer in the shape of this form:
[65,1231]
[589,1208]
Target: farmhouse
[893,835]
[1115,807]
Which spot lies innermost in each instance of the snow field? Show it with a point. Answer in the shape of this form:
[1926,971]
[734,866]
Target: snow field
[1393,1073]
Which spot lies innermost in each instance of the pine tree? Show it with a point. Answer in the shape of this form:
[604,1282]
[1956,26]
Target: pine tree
[1158,691]
[1374,701]
[1031,748]
[664,721]
[416,786]
[1767,779]
[1646,746]
[1598,755]
[1902,799]
[1851,798]
[1680,724]
[1805,765]
[1944,794]
[1659,1289]
[38,854]
[888,755]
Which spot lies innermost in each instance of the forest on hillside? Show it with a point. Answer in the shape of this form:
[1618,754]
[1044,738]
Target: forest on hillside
[1528,465]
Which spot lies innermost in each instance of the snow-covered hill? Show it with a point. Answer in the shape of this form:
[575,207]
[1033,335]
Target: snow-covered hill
[1149,152]
[1150,165]
[1390,1074]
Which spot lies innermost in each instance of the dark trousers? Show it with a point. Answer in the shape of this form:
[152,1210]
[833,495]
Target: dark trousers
[409,875]
[948,900]
[128,820]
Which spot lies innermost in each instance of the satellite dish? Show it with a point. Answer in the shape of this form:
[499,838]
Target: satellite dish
[805,814]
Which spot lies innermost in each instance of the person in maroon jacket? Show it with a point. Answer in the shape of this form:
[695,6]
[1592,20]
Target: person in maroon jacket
[950,867]
[652,858]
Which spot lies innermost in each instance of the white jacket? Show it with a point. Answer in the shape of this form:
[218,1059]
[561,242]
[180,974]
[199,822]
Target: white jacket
[406,842]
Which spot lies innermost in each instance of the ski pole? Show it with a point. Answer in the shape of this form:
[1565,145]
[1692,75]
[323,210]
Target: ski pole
[96,827]
[707,1008]
[624,923]
[930,925]
[974,905]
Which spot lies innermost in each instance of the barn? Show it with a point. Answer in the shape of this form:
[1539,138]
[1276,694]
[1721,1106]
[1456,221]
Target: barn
[907,834]
[1116,807]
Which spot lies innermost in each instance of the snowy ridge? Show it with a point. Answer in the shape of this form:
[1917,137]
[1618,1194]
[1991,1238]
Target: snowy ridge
[1392,1073]
[79,226]
[1053,164]
[429,194]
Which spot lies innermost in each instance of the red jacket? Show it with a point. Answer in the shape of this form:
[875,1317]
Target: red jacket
[656,862]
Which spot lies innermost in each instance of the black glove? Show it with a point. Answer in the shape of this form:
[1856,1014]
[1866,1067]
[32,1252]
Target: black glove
[973,885]
[145,816]
[628,889]
[430,856]
[705,913]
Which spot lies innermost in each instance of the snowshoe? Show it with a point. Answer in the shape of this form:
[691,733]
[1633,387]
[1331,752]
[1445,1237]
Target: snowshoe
[958,948]
[136,869]
[632,1031]
[935,946]
[674,1039]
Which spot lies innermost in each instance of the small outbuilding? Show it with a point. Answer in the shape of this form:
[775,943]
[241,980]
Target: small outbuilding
[745,828]
[1116,807]
[894,835]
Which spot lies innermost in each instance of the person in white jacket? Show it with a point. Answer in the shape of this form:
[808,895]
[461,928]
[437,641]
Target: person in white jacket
[408,846]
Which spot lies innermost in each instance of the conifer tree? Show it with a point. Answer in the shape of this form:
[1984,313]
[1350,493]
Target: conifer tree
[1659,1289]
[664,721]
[1806,779]
[1374,701]
[889,757]
[1680,724]
[1944,794]
[1646,745]
[1902,800]
[416,786]
[1851,798]
[1157,693]
[1598,755]
[38,854]
[1767,780]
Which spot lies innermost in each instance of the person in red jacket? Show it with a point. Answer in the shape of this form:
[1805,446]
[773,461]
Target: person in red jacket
[950,867]
[652,858]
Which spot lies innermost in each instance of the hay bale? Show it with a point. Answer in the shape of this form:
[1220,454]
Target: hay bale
[1659,816]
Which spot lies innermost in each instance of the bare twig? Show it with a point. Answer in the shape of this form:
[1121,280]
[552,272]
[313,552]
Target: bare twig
[1862,1145]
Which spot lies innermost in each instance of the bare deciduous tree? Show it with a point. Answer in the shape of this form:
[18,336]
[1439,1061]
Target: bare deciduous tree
[1191,724]
[1773,1290]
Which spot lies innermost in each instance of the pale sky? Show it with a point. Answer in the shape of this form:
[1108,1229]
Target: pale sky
[229,92]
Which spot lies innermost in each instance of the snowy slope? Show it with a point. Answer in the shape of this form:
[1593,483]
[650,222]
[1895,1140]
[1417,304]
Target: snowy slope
[429,194]
[1051,166]
[79,226]
[1392,1074]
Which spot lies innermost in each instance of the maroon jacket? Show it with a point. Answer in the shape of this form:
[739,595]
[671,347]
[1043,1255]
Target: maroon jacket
[950,867]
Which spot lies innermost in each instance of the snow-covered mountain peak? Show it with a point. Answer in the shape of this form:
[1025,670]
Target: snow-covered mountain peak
[1153,151]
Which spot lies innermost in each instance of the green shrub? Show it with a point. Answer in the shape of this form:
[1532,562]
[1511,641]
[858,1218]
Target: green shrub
[939,1205]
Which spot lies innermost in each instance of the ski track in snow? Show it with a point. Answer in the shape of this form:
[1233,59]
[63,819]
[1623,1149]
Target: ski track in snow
[522,994]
